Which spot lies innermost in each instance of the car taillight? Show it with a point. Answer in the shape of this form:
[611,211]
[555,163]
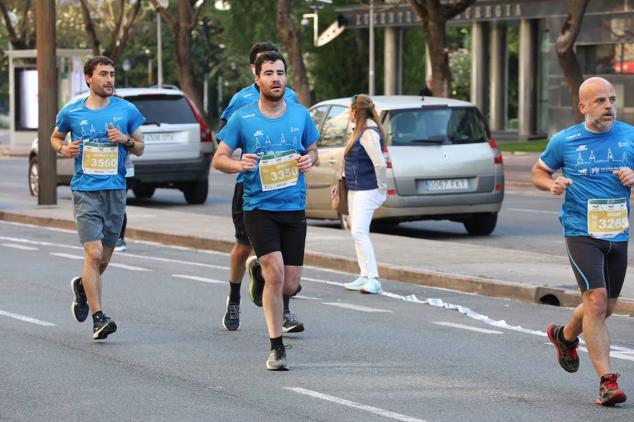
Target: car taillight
[206,134]
[496,151]
[386,155]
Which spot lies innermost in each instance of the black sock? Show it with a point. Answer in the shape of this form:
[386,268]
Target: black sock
[234,294]
[276,342]
[560,335]
[97,315]
[287,299]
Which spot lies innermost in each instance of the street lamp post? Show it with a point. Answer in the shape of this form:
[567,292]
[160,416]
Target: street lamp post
[126,68]
[159,46]
[371,54]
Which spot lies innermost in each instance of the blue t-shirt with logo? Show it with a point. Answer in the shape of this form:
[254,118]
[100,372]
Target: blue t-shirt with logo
[246,96]
[254,133]
[588,159]
[88,125]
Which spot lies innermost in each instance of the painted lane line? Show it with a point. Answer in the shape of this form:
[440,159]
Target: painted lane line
[174,261]
[26,319]
[38,243]
[203,279]
[306,297]
[54,229]
[317,280]
[67,255]
[613,354]
[532,211]
[364,407]
[127,267]
[355,307]
[467,327]
[21,247]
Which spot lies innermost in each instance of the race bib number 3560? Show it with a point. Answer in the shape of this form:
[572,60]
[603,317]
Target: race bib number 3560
[607,218]
[279,170]
[100,158]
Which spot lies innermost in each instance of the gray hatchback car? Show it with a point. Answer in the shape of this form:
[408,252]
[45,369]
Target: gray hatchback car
[442,162]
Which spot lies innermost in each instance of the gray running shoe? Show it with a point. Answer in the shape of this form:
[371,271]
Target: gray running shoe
[231,320]
[290,324]
[79,307]
[277,360]
[120,246]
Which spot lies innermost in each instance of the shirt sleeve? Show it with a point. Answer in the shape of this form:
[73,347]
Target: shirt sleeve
[231,108]
[311,134]
[291,95]
[553,155]
[135,119]
[61,122]
[230,133]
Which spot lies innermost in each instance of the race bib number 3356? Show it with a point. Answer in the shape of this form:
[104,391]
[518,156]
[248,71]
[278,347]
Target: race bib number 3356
[279,170]
[607,218]
[100,158]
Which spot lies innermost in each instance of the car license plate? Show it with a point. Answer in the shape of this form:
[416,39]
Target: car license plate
[446,184]
[159,138]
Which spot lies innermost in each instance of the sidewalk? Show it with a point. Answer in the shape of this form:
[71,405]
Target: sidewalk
[498,272]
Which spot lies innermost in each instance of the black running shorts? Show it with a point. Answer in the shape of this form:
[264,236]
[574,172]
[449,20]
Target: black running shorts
[237,214]
[272,231]
[598,263]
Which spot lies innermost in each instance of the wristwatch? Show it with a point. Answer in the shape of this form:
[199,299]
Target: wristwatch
[130,142]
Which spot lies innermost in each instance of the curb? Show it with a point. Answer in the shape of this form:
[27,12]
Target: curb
[529,293]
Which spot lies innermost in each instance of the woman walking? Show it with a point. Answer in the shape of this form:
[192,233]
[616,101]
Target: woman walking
[364,171]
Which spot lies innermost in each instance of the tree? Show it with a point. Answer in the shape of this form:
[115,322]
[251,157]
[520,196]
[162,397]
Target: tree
[183,26]
[435,16]
[118,20]
[21,34]
[564,46]
[292,43]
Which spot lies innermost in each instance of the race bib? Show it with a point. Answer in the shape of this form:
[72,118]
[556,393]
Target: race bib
[100,158]
[607,218]
[279,170]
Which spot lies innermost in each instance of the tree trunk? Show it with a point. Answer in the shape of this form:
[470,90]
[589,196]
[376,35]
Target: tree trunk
[434,16]
[290,39]
[565,48]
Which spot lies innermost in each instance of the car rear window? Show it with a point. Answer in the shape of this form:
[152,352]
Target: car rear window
[435,126]
[172,109]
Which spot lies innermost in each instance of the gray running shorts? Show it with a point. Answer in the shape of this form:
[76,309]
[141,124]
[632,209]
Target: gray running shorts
[99,215]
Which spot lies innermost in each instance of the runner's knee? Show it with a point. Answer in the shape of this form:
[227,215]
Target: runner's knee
[595,303]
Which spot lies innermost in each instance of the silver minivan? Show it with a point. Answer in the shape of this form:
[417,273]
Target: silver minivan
[443,163]
[178,146]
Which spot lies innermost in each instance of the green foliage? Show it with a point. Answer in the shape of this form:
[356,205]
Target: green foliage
[525,146]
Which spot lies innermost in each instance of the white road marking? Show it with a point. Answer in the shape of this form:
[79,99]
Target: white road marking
[317,280]
[174,261]
[355,307]
[532,211]
[203,279]
[467,327]
[27,319]
[21,247]
[364,407]
[33,242]
[127,267]
[626,355]
[66,255]
[38,227]
[306,297]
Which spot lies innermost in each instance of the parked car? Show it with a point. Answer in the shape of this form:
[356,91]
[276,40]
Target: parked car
[442,162]
[178,146]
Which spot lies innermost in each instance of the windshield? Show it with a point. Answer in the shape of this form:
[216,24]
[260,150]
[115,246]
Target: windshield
[435,126]
[158,109]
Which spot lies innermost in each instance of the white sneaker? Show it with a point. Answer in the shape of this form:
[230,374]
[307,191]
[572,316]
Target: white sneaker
[120,246]
[356,285]
[372,286]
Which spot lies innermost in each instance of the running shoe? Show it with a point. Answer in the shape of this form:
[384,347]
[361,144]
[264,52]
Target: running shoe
[566,355]
[231,321]
[120,246]
[609,393]
[356,285]
[79,307]
[256,285]
[290,324]
[277,360]
[103,327]
[372,286]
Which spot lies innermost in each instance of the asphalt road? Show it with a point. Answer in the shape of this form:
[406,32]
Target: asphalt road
[370,358]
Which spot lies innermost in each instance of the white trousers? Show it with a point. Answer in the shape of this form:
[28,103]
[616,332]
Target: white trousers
[361,206]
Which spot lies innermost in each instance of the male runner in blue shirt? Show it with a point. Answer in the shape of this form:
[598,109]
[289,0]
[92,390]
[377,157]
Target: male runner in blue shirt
[595,158]
[239,257]
[278,142]
[104,130]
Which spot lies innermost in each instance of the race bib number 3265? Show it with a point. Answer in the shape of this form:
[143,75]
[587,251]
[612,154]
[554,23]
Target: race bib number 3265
[607,218]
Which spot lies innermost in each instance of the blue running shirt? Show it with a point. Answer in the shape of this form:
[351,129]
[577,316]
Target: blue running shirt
[91,127]
[588,159]
[256,134]
[246,96]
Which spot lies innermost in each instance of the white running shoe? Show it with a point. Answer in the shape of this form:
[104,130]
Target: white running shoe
[356,285]
[372,286]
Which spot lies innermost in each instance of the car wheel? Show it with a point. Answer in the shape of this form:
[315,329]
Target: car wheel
[344,221]
[481,224]
[143,191]
[196,192]
[34,176]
